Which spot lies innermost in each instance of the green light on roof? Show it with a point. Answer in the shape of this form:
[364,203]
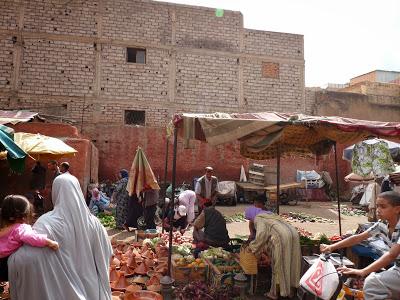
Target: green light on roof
[219,12]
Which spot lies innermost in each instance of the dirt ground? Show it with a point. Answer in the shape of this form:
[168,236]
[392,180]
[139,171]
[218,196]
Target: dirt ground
[326,210]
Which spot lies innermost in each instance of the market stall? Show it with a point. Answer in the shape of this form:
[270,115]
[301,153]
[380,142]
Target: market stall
[268,135]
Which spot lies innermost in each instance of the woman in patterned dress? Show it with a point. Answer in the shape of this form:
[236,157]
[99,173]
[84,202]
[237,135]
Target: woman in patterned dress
[120,197]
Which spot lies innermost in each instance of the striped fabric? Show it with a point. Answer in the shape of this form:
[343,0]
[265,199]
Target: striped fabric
[380,230]
[280,241]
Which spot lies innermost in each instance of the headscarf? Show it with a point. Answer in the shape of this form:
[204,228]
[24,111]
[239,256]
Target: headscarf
[124,173]
[79,269]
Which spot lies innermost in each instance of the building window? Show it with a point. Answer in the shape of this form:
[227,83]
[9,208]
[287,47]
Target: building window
[135,117]
[270,70]
[136,55]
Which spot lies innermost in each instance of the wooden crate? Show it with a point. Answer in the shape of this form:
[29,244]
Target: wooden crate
[262,175]
[220,276]
[184,275]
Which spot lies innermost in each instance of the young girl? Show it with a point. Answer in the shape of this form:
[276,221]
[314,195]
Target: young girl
[14,231]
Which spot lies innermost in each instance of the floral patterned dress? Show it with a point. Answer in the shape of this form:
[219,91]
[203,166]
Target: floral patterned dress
[121,198]
[373,158]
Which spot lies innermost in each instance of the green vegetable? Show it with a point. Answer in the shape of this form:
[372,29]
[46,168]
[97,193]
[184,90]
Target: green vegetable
[238,217]
[106,220]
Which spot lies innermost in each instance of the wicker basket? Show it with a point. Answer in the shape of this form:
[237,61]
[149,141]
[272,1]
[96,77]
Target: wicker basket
[247,260]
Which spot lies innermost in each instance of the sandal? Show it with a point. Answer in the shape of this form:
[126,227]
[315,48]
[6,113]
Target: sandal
[269,296]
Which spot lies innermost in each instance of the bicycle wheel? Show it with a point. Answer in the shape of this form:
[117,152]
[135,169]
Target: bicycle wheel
[141,222]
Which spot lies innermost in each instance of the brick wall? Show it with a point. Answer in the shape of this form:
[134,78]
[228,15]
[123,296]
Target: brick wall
[277,44]
[200,28]
[57,68]
[8,14]
[371,76]
[280,94]
[76,17]
[6,62]
[136,82]
[138,21]
[207,82]
[68,59]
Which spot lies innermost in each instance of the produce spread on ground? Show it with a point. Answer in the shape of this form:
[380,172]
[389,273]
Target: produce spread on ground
[303,217]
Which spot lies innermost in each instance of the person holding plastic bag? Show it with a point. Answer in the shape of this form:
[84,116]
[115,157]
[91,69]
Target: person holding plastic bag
[384,285]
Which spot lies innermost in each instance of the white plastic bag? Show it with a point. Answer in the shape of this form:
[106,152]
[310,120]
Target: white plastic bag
[321,279]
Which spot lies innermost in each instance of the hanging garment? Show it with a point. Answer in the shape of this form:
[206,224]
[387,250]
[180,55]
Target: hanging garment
[370,194]
[373,158]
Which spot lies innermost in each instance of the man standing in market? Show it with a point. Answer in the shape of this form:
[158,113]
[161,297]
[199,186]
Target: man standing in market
[206,188]
[54,171]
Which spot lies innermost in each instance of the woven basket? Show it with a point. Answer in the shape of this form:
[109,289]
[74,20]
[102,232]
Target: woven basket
[247,260]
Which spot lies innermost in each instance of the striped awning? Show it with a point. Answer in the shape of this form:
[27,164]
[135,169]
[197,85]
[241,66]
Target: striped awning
[259,134]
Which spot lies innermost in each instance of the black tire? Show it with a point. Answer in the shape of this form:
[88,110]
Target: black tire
[232,201]
[284,198]
[141,222]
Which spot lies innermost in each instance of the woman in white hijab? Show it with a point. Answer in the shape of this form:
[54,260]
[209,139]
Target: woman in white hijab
[79,269]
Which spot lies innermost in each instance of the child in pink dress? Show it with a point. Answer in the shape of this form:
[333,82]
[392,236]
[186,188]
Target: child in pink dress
[14,232]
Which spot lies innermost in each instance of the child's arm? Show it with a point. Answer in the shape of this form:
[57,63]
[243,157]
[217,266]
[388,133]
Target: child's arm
[350,241]
[380,263]
[27,235]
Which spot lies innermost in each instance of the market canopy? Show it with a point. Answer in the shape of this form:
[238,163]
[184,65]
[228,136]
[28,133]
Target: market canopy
[43,147]
[10,150]
[259,134]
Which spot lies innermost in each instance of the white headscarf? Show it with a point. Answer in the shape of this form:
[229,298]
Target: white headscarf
[79,269]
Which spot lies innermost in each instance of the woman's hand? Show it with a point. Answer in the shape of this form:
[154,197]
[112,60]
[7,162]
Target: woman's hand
[53,245]
[325,248]
[350,271]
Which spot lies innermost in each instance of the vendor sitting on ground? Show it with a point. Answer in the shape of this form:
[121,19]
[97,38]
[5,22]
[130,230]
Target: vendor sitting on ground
[215,233]
[99,202]
[252,211]
[179,219]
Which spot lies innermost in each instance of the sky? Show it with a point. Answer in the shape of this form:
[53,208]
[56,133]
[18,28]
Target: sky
[342,38]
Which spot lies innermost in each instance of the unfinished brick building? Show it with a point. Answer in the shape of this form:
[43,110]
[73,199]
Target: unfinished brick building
[119,69]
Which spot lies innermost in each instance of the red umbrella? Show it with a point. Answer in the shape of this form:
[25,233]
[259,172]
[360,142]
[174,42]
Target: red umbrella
[141,176]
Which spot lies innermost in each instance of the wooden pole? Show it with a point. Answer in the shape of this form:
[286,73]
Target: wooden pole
[278,176]
[165,182]
[171,203]
[337,189]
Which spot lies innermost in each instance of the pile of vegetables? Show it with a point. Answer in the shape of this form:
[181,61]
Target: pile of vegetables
[183,249]
[238,217]
[107,220]
[302,217]
[215,253]
[152,242]
[351,211]
[177,238]
[201,291]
